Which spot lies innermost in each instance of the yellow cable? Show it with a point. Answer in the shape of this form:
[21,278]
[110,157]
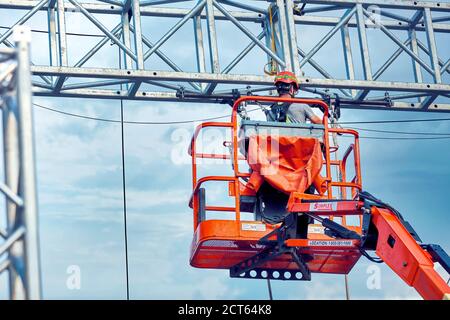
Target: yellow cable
[273,65]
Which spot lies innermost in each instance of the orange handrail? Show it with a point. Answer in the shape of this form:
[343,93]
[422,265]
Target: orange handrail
[355,184]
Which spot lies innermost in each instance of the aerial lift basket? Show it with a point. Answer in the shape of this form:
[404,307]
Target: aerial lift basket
[326,230]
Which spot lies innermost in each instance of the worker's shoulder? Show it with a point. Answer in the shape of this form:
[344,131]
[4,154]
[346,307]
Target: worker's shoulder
[297,105]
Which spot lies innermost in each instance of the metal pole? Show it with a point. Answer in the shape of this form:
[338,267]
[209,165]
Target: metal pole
[212,37]
[348,55]
[126,35]
[432,45]
[27,178]
[138,35]
[11,165]
[292,36]
[199,47]
[62,41]
[414,48]
[62,34]
[364,47]
[284,35]
[52,38]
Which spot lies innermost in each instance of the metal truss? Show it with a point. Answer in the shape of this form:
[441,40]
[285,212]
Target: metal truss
[19,246]
[279,39]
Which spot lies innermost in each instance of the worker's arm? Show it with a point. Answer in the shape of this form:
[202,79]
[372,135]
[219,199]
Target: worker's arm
[311,115]
[316,120]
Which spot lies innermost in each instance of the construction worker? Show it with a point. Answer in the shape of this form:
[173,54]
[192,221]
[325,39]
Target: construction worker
[287,86]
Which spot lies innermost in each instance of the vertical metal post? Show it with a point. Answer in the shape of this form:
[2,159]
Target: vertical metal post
[432,45]
[412,34]
[284,35]
[348,56]
[199,47]
[11,165]
[268,32]
[62,34]
[128,62]
[134,7]
[212,36]
[52,38]
[138,34]
[292,36]
[414,48]
[62,42]
[364,47]
[433,55]
[27,177]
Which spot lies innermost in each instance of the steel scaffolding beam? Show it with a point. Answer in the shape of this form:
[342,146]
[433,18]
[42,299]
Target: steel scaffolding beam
[20,246]
[280,40]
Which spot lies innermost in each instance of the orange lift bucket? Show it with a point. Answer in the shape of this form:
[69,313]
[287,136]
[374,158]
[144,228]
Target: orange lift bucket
[257,249]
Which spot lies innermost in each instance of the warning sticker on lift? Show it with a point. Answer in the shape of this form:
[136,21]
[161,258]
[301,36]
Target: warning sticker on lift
[253,227]
[330,243]
[316,229]
[323,206]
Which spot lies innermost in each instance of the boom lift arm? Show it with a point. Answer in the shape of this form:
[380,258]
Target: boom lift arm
[397,245]
[395,242]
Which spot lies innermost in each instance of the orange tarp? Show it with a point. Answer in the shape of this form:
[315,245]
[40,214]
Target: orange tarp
[289,164]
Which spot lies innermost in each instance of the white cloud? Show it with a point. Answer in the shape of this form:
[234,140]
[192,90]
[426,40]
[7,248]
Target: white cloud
[325,291]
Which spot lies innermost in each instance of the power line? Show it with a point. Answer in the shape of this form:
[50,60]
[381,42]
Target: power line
[124,190]
[402,132]
[400,138]
[226,116]
[445,136]
[269,288]
[124,199]
[395,121]
[128,122]
[67,33]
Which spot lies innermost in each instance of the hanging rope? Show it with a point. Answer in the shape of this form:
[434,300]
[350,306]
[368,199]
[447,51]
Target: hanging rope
[271,67]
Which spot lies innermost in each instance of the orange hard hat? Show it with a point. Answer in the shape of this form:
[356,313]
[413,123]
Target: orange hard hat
[287,77]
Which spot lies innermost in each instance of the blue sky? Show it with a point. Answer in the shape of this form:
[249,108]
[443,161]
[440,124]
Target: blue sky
[80,183]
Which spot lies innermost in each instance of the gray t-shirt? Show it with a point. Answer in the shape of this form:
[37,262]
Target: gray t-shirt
[299,112]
